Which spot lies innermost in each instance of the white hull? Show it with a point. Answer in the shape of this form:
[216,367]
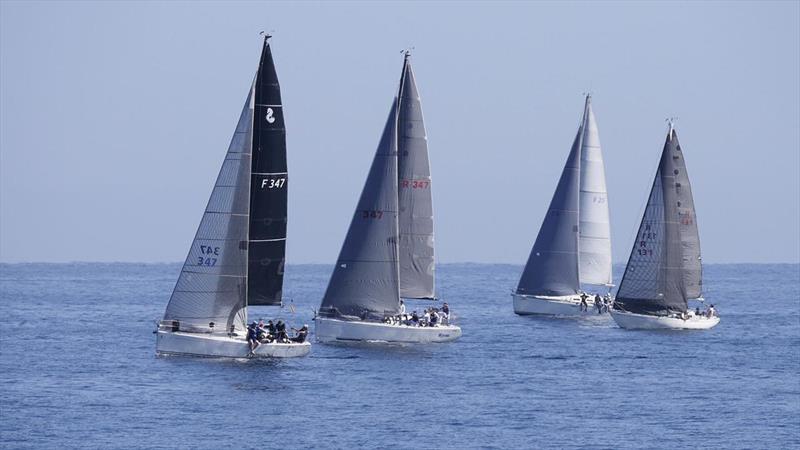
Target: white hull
[552,306]
[216,345]
[631,321]
[333,330]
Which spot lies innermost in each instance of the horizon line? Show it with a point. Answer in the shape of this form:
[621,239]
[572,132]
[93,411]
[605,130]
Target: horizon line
[333,263]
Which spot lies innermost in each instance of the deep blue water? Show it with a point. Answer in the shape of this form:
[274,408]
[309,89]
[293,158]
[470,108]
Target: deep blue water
[77,369]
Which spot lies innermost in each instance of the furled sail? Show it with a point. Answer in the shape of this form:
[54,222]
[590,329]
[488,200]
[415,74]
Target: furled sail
[211,287]
[664,269]
[552,267]
[268,189]
[365,281]
[595,233]
[414,193]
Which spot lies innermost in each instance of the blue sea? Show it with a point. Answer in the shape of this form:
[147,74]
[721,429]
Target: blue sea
[78,369]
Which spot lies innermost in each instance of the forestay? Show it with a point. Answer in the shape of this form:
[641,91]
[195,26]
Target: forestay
[366,277]
[664,268]
[595,233]
[414,194]
[552,267]
[211,287]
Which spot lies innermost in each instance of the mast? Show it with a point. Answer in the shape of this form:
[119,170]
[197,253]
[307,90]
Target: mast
[268,188]
[416,238]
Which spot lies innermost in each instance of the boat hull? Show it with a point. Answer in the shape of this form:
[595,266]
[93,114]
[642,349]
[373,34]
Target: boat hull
[549,306]
[222,346]
[631,321]
[335,330]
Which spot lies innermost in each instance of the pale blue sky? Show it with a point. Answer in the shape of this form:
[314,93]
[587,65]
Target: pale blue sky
[115,118]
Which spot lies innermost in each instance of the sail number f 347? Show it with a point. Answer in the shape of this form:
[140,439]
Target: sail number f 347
[273,183]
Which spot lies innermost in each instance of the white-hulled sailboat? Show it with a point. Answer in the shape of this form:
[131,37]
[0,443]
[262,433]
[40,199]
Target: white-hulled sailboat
[388,250]
[238,254]
[665,269]
[574,244]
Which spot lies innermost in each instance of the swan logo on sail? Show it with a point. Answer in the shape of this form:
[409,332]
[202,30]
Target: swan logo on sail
[270,118]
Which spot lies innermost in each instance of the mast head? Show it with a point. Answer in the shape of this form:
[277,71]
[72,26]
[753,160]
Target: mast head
[407,52]
[671,124]
[266,36]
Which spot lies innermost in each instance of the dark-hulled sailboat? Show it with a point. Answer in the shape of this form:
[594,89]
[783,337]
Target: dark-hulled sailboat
[664,270]
[574,244]
[237,256]
[388,250]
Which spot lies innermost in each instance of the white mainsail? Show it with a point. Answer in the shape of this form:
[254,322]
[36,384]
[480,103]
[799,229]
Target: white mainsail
[595,233]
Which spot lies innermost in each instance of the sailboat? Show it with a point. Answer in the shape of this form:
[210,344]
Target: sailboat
[237,256]
[665,269]
[574,243]
[388,250]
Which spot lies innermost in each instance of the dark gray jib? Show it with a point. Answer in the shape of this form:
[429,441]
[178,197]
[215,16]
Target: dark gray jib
[365,281]
[268,189]
[552,267]
[664,268]
[414,193]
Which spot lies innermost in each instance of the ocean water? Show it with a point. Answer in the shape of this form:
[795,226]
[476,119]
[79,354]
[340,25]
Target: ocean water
[78,369]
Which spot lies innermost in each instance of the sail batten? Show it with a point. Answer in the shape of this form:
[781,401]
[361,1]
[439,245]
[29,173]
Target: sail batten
[664,269]
[416,238]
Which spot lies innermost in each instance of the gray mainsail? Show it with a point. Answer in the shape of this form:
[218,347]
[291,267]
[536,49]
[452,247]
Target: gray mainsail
[552,267]
[595,231]
[414,193]
[212,285]
[664,268]
[365,280]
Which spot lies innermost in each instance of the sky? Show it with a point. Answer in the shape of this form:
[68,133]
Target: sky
[115,118]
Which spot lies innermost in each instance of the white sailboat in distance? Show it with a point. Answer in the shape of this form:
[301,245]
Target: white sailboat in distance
[574,243]
[237,256]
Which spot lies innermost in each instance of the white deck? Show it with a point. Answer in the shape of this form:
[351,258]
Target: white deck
[568,305]
[335,330]
[221,345]
[632,321]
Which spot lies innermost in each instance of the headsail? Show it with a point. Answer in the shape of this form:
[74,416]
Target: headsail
[595,233]
[552,267]
[366,276]
[663,270]
[414,192]
[211,287]
[268,189]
